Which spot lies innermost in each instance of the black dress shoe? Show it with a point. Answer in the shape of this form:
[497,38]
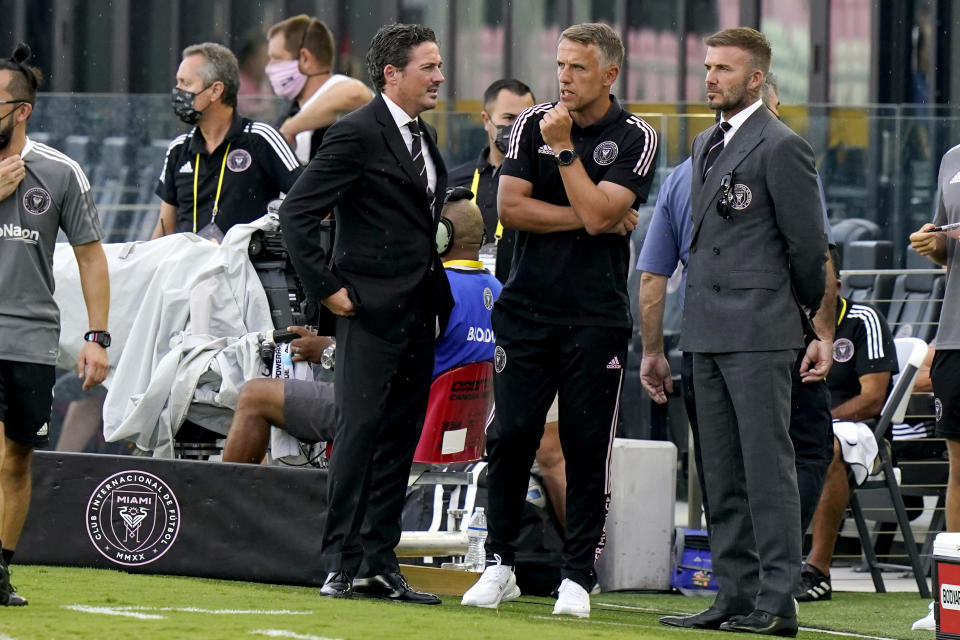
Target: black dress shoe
[338,584]
[707,619]
[392,586]
[763,623]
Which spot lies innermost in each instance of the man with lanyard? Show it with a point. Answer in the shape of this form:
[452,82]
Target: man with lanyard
[305,408]
[227,168]
[301,50]
[42,191]
[571,175]
[864,361]
[666,243]
[502,103]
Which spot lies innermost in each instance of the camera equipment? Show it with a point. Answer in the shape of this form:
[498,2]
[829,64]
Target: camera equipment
[285,293]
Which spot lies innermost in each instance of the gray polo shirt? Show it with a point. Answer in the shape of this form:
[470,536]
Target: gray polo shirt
[54,195]
[948,211]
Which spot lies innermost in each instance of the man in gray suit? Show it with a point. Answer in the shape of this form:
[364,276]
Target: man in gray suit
[756,265]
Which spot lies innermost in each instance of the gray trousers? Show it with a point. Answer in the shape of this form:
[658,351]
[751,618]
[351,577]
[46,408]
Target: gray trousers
[743,410]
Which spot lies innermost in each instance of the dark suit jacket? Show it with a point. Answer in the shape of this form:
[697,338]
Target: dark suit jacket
[385,251]
[748,274]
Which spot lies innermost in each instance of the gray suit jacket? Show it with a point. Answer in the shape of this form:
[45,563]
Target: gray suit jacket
[749,274]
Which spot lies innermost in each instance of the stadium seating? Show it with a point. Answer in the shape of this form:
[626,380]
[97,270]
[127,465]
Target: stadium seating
[916,300]
[867,255]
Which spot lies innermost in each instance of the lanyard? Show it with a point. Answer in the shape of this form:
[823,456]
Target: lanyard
[472,264]
[216,198]
[474,186]
[843,310]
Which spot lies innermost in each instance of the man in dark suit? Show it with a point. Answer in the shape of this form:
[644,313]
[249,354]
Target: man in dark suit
[381,170]
[756,258]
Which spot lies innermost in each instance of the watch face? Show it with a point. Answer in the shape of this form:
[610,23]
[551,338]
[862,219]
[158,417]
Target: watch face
[565,157]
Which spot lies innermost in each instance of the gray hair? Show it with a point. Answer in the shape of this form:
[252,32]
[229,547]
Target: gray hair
[606,39]
[221,65]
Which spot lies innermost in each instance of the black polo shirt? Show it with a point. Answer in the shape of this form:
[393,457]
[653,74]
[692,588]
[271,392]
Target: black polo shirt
[488,180]
[863,345]
[258,167]
[571,277]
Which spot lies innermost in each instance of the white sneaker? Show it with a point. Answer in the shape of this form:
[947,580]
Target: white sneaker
[926,623]
[573,601]
[497,584]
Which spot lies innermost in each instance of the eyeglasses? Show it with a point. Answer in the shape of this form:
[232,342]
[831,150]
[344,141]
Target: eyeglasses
[13,101]
[724,208]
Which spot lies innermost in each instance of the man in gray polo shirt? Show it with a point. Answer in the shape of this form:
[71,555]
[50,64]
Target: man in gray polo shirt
[941,248]
[43,191]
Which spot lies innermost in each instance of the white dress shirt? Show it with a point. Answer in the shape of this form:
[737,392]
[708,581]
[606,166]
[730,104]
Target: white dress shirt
[401,118]
[737,121]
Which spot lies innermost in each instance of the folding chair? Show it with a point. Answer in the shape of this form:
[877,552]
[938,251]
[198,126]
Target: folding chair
[910,355]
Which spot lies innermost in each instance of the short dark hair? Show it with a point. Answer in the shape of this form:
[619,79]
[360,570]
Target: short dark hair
[391,45]
[221,65]
[835,256]
[25,79]
[750,40]
[512,85]
[606,39]
[308,33]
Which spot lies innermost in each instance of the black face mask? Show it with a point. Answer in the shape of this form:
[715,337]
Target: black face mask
[503,137]
[182,102]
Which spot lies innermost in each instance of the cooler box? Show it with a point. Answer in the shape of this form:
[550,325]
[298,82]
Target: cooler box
[946,576]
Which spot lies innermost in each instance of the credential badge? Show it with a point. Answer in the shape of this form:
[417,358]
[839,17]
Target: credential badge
[132,518]
[499,359]
[239,160]
[37,201]
[605,153]
[842,350]
[740,197]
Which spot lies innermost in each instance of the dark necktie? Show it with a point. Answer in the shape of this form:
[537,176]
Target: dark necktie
[416,151]
[714,146]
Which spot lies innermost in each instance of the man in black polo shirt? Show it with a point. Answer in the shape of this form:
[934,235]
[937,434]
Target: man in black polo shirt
[572,173]
[227,168]
[502,103]
[864,361]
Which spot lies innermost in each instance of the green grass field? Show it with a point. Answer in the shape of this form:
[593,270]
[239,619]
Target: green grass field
[101,604]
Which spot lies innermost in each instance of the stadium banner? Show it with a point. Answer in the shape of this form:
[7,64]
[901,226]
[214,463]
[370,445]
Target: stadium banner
[178,517]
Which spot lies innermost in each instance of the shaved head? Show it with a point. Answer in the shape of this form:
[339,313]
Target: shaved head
[467,222]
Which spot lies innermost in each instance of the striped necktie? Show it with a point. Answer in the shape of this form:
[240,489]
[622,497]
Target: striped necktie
[416,150]
[715,146]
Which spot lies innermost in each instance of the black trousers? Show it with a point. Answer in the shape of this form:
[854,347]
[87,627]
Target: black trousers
[811,431]
[380,391]
[534,363]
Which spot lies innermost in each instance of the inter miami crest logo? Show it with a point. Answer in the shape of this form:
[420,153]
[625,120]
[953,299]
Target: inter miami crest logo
[842,350]
[238,160]
[133,518]
[605,153]
[36,201]
[740,197]
[499,359]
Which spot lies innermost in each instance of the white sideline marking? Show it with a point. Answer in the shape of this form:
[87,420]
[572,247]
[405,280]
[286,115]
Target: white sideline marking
[255,612]
[283,633]
[110,611]
[845,634]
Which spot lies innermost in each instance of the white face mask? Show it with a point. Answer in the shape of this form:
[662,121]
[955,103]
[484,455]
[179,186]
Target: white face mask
[286,79]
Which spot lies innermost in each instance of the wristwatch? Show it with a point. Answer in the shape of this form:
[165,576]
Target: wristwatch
[565,157]
[102,338]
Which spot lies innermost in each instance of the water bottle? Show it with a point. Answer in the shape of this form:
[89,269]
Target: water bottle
[476,558]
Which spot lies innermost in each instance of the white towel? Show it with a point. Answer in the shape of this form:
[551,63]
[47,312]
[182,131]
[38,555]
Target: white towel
[858,446]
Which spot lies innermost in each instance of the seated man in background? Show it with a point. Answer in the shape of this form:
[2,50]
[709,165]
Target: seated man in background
[864,361]
[305,408]
[301,51]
